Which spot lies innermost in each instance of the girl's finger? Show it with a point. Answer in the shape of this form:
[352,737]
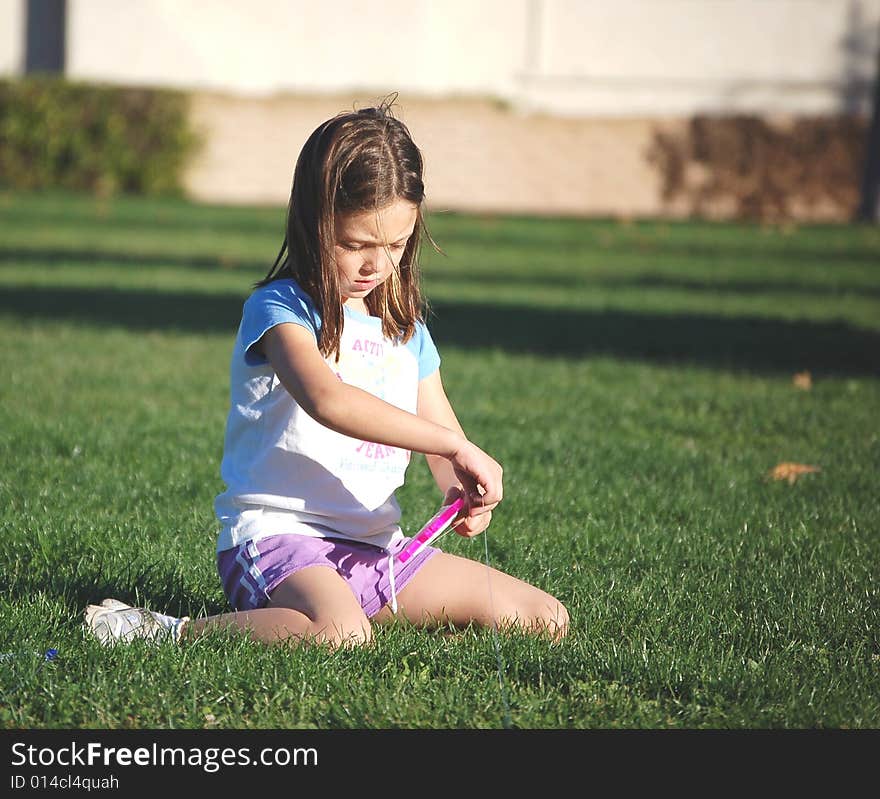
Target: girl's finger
[480,508]
[469,526]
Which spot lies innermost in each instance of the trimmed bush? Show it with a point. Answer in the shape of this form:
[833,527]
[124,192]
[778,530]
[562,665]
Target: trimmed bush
[100,139]
[751,168]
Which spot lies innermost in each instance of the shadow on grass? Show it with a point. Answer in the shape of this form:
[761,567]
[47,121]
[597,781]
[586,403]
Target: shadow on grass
[252,270]
[165,592]
[64,256]
[126,308]
[554,276]
[748,343]
[587,282]
[78,582]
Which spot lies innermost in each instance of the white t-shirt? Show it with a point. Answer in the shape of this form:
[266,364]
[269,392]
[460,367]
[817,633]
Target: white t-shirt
[287,473]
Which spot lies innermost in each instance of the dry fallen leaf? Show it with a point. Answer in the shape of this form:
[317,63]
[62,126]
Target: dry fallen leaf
[803,381]
[791,471]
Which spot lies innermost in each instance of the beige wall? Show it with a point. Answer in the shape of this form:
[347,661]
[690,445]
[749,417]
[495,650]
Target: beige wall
[574,57]
[523,106]
[642,57]
[266,46]
[11,37]
[478,156]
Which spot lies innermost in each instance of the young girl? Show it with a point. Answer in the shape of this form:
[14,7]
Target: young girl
[334,381]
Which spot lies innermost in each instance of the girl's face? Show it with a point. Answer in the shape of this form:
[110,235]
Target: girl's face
[368,247]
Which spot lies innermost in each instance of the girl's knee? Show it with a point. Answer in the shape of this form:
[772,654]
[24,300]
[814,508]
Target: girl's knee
[343,632]
[554,619]
[542,614]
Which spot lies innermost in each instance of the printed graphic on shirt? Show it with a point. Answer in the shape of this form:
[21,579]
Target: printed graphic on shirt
[388,372]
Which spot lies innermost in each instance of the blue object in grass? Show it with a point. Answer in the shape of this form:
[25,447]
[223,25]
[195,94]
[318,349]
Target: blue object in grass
[49,654]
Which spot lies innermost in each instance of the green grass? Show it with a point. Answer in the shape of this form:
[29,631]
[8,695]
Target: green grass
[634,379]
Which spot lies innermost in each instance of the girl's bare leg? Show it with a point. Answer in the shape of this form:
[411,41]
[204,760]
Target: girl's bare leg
[451,589]
[314,605]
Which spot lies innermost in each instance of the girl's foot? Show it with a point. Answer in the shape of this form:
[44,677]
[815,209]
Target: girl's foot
[114,621]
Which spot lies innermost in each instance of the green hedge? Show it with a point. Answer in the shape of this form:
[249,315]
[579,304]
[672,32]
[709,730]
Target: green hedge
[100,139]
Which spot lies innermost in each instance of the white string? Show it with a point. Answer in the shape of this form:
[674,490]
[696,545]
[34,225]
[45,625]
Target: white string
[391,581]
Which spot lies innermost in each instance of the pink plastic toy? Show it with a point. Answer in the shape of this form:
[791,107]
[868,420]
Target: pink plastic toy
[435,527]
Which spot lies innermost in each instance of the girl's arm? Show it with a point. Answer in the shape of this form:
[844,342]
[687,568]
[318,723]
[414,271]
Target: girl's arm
[434,406]
[294,355]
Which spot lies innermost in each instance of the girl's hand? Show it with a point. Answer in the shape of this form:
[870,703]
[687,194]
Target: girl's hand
[481,480]
[464,525]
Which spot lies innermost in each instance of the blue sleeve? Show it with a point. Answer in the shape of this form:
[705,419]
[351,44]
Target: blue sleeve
[429,358]
[274,304]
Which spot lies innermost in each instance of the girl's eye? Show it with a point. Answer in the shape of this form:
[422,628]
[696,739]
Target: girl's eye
[358,247]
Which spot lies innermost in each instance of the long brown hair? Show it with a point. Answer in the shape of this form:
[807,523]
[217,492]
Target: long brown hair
[357,161]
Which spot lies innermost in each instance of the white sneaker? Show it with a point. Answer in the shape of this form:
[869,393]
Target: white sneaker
[113,621]
[114,604]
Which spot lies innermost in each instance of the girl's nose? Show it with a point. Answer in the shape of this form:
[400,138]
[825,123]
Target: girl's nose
[375,258]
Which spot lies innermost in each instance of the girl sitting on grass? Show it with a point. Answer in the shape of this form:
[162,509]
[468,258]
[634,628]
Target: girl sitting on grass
[334,381]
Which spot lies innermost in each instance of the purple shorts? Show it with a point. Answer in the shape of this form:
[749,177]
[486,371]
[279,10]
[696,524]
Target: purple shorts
[250,571]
